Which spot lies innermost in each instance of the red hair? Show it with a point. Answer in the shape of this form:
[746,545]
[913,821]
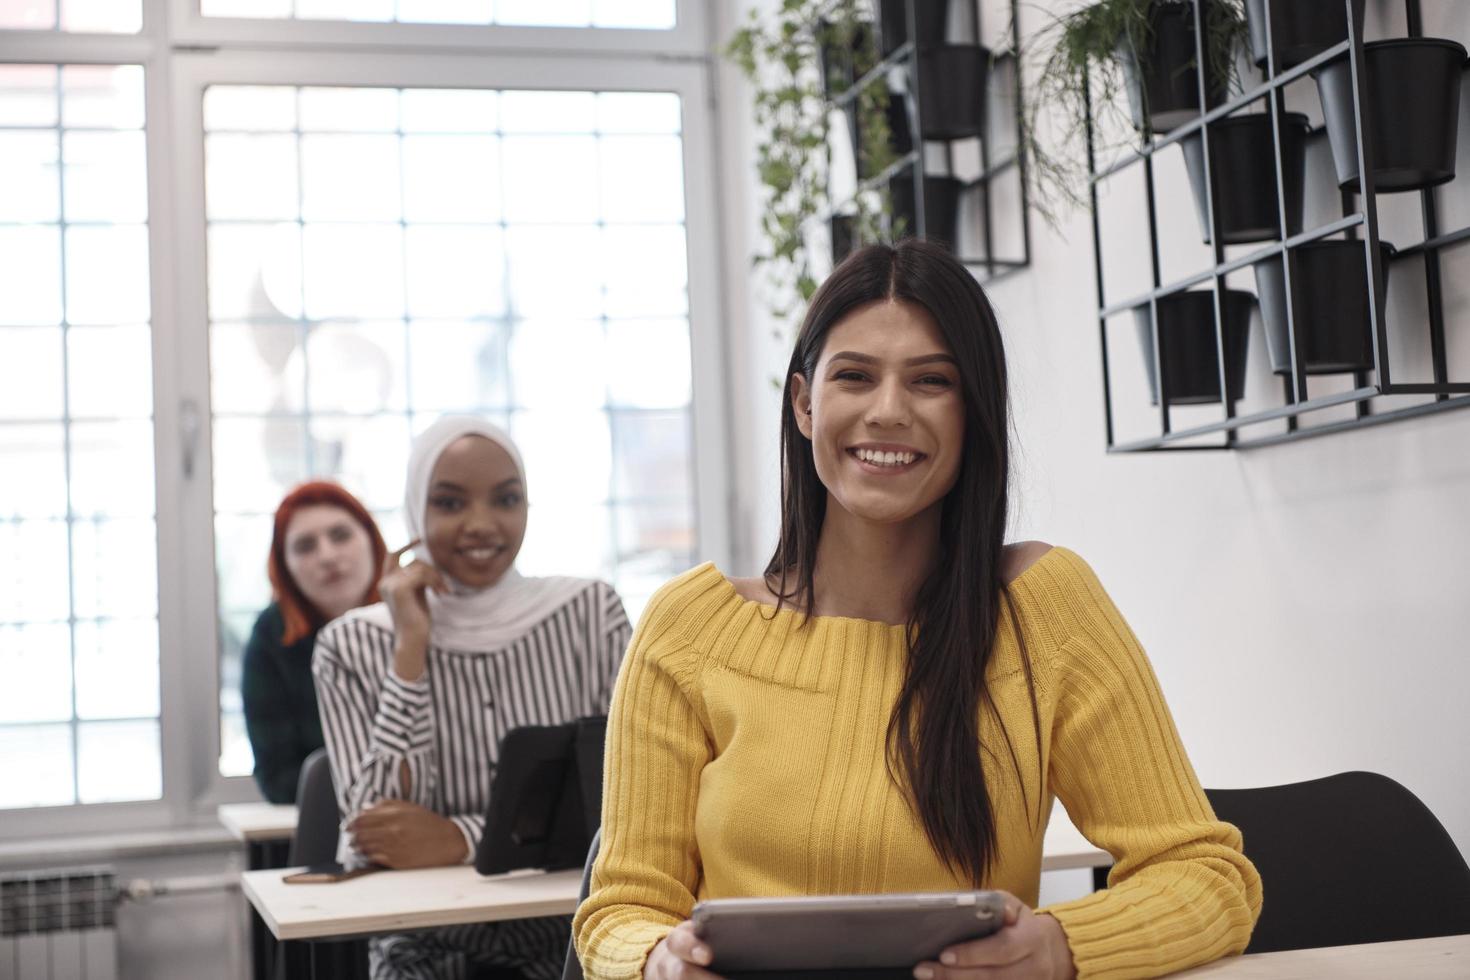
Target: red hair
[301,617]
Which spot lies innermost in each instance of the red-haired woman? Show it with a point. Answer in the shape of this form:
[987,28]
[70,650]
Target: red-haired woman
[325,556]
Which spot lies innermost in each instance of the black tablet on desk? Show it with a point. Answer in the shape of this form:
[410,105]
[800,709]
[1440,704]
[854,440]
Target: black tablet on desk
[545,799]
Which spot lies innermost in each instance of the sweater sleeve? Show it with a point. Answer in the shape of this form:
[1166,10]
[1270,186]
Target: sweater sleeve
[647,871]
[375,733]
[269,721]
[1181,891]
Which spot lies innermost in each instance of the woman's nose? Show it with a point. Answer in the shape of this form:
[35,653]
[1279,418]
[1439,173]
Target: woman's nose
[890,406]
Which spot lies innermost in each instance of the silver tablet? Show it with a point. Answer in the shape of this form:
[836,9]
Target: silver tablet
[842,932]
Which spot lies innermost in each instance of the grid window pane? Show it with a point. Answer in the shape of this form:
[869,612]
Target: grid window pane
[252,176]
[32,574]
[117,668]
[102,96]
[114,567]
[118,760]
[453,252]
[30,274]
[111,372]
[38,451]
[645,14]
[40,653]
[83,16]
[460,366]
[28,162]
[39,769]
[112,16]
[78,535]
[107,274]
[36,392]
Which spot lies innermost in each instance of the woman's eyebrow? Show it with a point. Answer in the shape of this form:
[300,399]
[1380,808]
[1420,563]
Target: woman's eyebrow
[446,485]
[849,355]
[505,484]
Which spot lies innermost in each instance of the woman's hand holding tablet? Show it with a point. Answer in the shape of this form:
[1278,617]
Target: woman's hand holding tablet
[935,936]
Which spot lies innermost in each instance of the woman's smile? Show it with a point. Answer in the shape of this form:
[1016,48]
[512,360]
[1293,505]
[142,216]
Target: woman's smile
[886,459]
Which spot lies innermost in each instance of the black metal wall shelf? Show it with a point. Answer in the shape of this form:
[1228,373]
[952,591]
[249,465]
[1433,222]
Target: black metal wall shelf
[1371,389]
[986,265]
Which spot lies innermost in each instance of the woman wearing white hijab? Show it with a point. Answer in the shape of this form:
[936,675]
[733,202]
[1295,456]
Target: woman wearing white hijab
[417,691]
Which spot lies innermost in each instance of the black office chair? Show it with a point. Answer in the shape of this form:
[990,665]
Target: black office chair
[317,818]
[573,968]
[1346,859]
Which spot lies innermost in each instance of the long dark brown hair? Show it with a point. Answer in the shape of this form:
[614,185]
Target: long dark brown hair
[934,732]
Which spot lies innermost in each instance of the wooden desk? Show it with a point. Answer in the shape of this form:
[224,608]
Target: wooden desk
[1446,958]
[251,822]
[266,830]
[398,901]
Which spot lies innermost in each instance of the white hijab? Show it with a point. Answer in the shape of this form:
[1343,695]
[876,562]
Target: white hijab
[466,619]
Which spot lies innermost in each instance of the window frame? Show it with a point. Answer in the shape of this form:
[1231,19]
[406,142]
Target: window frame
[182,53]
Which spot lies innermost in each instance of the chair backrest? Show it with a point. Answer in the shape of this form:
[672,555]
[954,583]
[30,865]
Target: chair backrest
[1346,859]
[573,968]
[318,821]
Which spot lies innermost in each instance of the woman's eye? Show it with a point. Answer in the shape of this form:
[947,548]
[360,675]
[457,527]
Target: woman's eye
[339,534]
[304,546]
[446,503]
[508,500]
[935,380]
[850,376]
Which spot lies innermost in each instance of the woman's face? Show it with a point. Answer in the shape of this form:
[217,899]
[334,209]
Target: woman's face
[476,515]
[330,558]
[884,412]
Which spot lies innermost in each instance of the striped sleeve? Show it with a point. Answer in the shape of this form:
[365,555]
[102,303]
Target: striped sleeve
[379,734]
[609,643]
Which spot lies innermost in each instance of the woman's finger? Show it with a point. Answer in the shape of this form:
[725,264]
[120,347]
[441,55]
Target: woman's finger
[390,564]
[685,943]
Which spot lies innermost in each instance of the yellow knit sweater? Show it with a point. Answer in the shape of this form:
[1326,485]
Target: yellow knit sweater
[746,756]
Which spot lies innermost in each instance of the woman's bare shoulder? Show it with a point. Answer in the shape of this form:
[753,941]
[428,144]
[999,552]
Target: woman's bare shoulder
[1018,556]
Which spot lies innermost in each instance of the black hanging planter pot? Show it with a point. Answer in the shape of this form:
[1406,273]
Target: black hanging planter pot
[1243,165]
[893,24]
[1299,28]
[952,85]
[1187,336]
[1411,88]
[900,139]
[941,206]
[1333,320]
[1163,77]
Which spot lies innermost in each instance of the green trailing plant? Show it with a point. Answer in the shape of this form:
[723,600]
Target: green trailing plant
[782,57]
[1089,44]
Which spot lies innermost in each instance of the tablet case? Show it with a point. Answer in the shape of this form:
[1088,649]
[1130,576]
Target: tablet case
[545,799]
[851,936]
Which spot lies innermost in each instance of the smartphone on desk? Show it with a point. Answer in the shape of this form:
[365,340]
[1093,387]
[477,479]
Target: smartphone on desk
[320,874]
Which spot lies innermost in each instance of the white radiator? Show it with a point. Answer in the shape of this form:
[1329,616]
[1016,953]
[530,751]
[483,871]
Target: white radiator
[58,925]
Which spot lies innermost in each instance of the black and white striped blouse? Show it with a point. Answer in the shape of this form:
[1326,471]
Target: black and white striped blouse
[446,726]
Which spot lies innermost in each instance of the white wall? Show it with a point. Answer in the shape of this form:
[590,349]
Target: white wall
[1306,606]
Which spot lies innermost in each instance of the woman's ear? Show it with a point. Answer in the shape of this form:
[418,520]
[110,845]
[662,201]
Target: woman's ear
[801,403]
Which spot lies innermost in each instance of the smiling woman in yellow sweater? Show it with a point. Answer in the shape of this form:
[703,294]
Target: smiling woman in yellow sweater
[895,704]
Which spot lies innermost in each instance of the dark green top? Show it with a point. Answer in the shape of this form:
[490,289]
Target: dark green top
[280,705]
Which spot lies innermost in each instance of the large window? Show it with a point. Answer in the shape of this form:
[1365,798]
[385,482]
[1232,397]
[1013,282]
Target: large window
[281,266]
[79,705]
[380,256]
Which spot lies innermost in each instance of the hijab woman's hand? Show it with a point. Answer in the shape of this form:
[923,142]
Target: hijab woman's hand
[404,589]
[679,956]
[400,834]
[1027,947]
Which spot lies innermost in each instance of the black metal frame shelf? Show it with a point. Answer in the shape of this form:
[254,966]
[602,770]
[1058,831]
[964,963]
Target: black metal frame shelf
[906,56]
[1360,215]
